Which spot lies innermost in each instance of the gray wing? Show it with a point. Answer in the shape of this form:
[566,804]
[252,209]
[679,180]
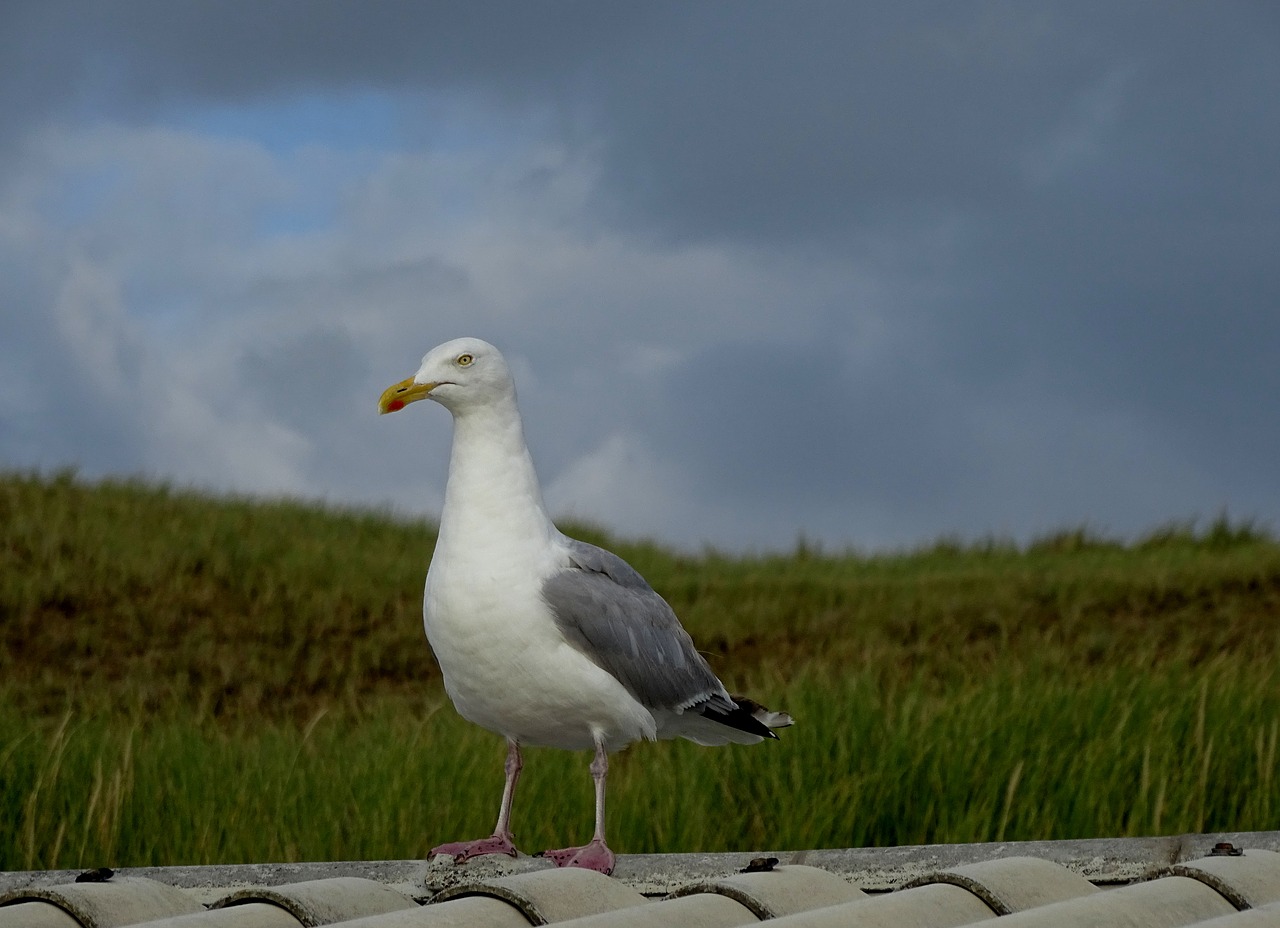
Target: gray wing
[608,612]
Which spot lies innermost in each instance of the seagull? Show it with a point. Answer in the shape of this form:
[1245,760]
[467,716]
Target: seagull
[541,638]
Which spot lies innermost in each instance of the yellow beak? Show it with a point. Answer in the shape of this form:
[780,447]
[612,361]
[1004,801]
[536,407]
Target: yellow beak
[399,395]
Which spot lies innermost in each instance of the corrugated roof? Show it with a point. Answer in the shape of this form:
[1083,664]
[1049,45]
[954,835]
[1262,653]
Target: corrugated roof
[1212,881]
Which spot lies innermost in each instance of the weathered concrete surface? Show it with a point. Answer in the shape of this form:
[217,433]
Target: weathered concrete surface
[124,900]
[1099,860]
[779,890]
[544,898]
[1013,884]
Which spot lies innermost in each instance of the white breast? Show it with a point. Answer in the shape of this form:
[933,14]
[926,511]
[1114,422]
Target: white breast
[507,668]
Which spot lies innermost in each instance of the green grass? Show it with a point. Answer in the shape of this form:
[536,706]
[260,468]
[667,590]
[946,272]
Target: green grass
[192,680]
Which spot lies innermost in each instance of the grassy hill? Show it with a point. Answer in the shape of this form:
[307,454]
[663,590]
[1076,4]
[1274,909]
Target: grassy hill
[177,671]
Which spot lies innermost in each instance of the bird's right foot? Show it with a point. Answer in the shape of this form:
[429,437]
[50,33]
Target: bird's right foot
[462,851]
[594,855]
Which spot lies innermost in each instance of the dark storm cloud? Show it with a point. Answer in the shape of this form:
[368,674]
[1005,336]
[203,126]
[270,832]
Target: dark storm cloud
[773,121]
[134,58]
[1066,215]
[804,119]
[726,119]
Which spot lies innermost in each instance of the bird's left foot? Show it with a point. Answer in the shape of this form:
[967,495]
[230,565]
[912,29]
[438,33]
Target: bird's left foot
[594,855]
[500,842]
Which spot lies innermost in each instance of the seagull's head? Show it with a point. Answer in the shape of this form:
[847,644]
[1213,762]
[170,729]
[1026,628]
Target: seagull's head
[460,374]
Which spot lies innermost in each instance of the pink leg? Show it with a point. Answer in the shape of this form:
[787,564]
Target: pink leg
[595,854]
[501,841]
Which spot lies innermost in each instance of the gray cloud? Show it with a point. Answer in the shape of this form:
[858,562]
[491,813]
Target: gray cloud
[866,272]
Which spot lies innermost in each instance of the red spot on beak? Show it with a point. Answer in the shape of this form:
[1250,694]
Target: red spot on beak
[395,406]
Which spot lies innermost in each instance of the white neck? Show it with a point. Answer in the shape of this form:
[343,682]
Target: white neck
[492,481]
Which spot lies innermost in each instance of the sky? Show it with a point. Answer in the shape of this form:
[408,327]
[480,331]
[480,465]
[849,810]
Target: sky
[862,274]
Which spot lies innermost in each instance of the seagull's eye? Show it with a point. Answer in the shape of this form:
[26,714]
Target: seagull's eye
[463,360]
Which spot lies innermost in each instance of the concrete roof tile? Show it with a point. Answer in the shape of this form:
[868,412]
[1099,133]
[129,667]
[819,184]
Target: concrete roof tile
[1169,901]
[1176,880]
[704,910]
[937,905]
[36,915]
[546,896]
[247,915]
[1268,916]
[323,902]
[776,891]
[116,902]
[465,912]
[1013,884]
[1248,879]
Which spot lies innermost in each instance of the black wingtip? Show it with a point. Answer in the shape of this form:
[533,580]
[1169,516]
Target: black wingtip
[746,716]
